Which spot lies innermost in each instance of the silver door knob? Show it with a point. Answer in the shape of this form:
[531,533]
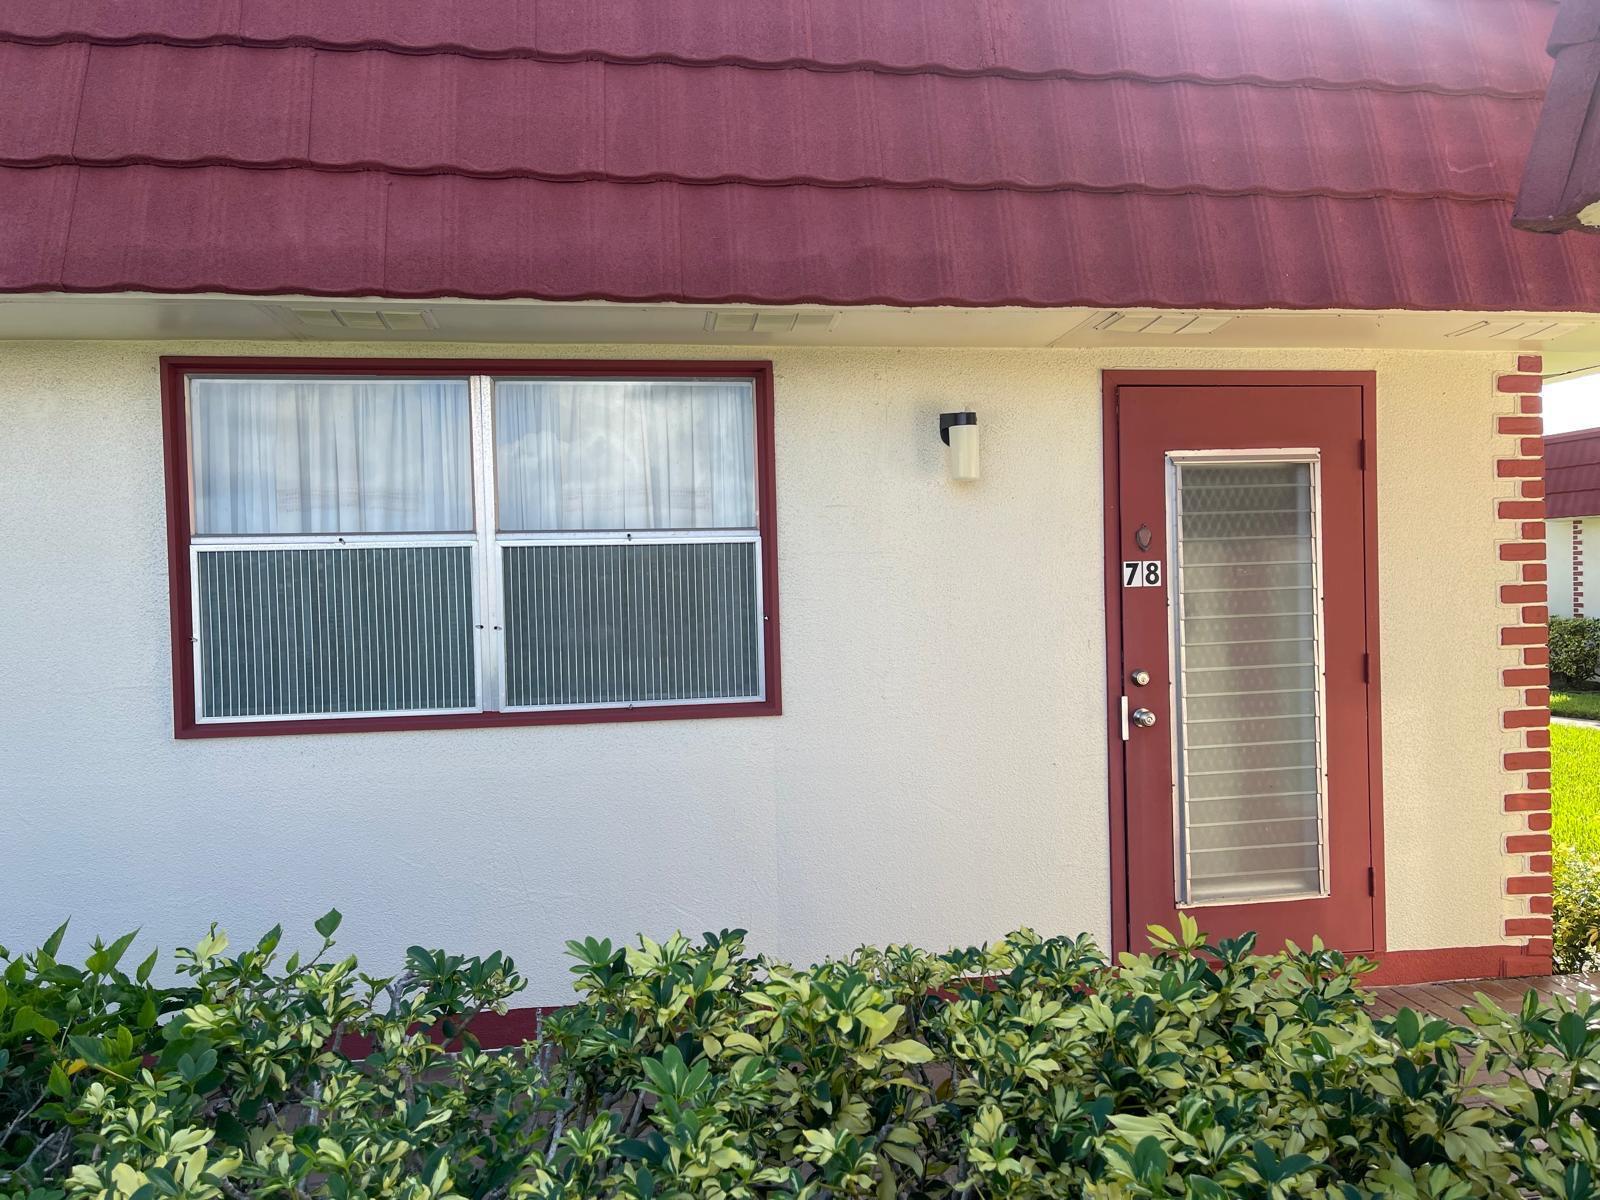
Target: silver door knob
[1142,717]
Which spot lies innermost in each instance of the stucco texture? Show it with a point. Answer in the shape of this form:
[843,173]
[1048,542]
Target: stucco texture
[938,774]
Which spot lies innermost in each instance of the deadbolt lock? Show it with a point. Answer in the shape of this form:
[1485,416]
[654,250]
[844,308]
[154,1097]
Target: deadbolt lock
[1141,678]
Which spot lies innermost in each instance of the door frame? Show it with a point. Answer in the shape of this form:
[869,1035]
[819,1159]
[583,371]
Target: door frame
[1117,800]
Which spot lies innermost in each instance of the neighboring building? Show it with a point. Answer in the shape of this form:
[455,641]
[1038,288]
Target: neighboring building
[1572,506]
[414,414]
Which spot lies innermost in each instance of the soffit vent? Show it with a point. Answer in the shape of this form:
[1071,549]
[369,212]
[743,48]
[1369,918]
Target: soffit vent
[1165,323]
[769,322]
[365,320]
[1516,331]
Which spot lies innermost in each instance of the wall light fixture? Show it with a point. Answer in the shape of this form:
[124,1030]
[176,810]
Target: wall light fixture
[959,431]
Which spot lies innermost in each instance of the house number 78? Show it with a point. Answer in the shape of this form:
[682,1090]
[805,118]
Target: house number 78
[1142,573]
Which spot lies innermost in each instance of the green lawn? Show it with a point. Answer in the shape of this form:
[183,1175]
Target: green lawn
[1575,704]
[1575,790]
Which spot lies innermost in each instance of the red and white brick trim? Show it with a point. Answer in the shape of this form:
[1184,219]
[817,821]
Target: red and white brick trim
[1577,567]
[1525,718]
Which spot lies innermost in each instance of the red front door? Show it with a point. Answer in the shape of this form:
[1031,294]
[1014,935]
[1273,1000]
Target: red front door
[1241,563]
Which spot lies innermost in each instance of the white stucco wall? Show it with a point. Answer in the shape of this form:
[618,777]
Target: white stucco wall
[938,774]
[1558,558]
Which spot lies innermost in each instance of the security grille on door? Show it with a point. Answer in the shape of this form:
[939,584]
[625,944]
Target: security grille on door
[1247,642]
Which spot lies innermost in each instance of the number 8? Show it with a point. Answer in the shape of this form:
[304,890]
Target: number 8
[1152,573]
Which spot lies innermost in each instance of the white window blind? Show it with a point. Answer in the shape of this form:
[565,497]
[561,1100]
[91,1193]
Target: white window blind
[372,546]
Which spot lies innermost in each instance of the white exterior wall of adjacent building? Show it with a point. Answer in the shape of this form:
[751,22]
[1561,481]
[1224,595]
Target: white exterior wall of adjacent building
[1558,559]
[938,774]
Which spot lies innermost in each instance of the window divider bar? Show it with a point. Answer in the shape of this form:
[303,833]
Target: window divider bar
[589,537]
[488,620]
[196,651]
[367,541]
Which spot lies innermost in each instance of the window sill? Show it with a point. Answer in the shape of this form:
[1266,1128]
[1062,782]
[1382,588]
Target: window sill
[771,707]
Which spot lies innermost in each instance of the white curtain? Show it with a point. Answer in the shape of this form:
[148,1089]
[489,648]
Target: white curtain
[293,456]
[608,454]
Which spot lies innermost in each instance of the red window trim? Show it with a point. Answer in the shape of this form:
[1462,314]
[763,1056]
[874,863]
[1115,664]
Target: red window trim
[175,445]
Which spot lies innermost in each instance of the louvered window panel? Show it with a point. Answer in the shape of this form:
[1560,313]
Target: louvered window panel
[334,631]
[627,623]
[1247,629]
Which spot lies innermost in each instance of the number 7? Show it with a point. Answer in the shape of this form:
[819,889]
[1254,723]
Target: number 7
[1130,574]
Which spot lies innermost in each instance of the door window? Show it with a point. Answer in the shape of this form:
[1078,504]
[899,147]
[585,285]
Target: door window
[1247,643]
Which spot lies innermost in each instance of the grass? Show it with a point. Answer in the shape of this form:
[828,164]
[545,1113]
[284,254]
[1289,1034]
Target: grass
[1575,704]
[1575,787]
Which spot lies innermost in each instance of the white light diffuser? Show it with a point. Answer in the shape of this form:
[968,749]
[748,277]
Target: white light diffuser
[960,433]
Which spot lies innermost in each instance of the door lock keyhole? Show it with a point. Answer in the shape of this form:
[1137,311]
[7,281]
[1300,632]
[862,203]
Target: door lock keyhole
[1141,678]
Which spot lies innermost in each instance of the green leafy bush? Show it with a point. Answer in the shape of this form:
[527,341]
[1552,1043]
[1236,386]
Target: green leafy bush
[44,1006]
[1575,648]
[1027,1068]
[1576,909]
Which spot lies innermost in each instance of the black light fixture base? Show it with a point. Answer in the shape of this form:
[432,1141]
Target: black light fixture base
[956,418]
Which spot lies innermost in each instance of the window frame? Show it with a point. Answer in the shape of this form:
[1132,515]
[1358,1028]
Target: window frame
[175,371]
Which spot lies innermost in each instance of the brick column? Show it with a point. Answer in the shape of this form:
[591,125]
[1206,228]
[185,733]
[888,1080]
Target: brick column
[1526,678]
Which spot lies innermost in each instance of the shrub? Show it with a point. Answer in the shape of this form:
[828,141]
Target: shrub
[45,1006]
[1575,648]
[1576,909]
[1026,1068]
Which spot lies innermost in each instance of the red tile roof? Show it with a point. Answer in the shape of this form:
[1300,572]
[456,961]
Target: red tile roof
[1238,154]
[1572,474]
